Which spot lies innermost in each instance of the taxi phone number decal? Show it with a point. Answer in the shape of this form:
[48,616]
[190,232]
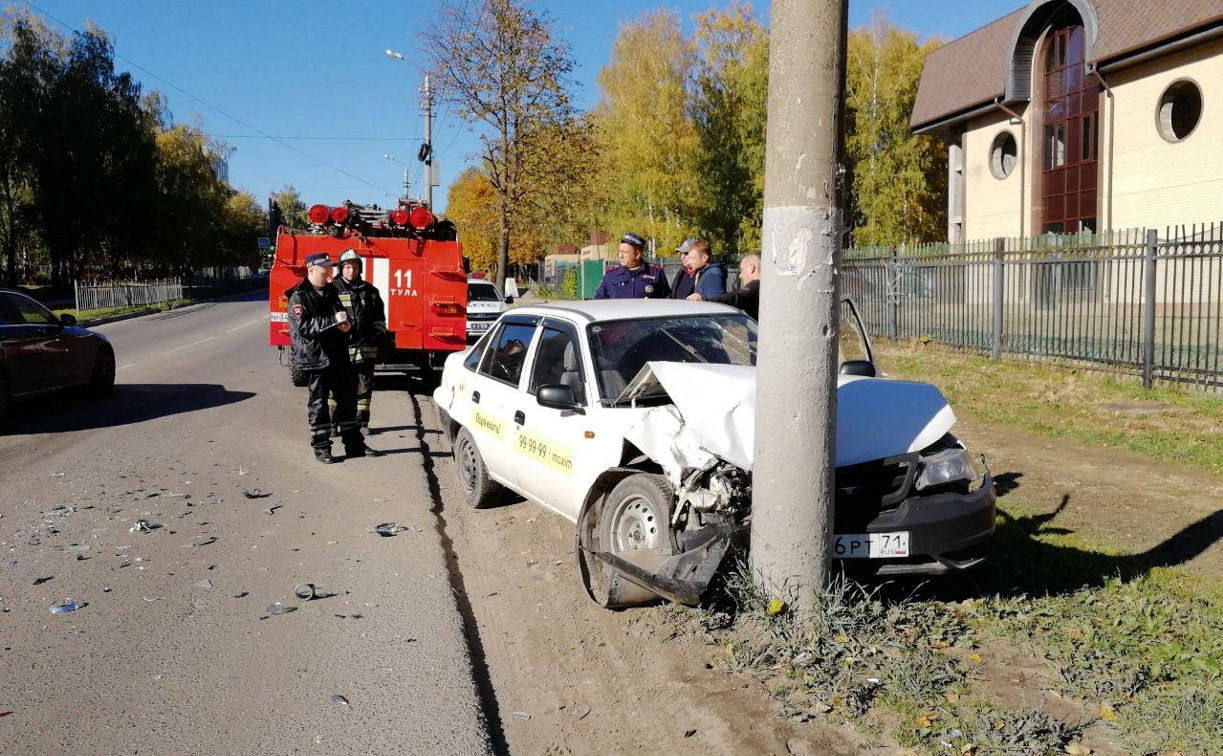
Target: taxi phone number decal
[541,450]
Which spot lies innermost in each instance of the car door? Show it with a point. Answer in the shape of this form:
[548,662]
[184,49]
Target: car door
[493,390]
[32,346]
[557,448]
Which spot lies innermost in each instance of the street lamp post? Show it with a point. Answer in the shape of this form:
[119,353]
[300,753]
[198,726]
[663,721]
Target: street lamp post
[406,192]
[426,152]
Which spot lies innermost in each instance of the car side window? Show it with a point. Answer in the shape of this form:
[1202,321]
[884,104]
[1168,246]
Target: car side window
[8,315]
[30,312]
[473,358]
[503,360]
[558,360]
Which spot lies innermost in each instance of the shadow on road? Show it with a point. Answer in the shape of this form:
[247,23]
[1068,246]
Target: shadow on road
[1025,561]
[129,404]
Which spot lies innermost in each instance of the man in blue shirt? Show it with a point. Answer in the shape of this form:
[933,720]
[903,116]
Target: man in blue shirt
[632,278]
[700,274]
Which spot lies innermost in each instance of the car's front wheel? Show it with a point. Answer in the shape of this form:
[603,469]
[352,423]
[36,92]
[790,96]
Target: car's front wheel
[479,489]
[634,518]
[6,398]
[102,379]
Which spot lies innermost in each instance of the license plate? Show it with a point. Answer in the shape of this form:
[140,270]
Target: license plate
[871,545]
[476,326]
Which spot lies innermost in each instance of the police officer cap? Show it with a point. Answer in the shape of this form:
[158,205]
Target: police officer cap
[321,259]
[633,240]
[350,255]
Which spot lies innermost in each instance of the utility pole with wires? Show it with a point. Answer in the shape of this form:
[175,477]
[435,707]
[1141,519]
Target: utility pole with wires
[426,149]
[793,475]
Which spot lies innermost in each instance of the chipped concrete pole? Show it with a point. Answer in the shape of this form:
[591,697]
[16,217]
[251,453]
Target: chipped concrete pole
[792,496]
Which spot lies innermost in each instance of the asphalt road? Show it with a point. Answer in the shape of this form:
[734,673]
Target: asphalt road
[175,649]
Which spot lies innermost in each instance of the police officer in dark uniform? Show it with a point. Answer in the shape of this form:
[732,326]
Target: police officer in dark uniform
[318,328]
[632,278]
[363,303]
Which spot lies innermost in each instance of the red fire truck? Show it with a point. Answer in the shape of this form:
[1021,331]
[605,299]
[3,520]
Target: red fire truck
[414,260]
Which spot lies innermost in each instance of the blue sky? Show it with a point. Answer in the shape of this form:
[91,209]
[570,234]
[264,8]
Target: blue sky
[318,69]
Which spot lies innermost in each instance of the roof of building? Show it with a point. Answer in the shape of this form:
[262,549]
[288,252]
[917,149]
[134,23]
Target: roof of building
[972,71]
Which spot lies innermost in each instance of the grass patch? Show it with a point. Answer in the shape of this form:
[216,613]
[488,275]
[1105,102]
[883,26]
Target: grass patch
[1138,656]
[105,312]
[1166,424]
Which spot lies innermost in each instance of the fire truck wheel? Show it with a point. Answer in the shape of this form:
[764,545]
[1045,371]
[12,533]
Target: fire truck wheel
[480,490]
[298,376]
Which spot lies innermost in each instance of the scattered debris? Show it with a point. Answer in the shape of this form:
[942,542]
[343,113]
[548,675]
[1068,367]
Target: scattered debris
[205,583]
[67,605]
[144,526]
[255,493]
[277,608]
[339,700]
[77,547]
[386,529]
[57,475]
[200,541]
[522,715]
[243,594]
[305,591]
[153,598]
[689,733]
[272,509]
[41,580]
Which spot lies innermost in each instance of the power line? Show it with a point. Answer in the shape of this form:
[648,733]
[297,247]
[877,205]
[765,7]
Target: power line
[316,138]
[235,119]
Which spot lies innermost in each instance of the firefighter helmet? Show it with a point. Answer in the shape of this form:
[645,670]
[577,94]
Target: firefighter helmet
[350,256]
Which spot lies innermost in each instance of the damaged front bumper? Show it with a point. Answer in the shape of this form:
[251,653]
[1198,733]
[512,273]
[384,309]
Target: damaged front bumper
[684,577]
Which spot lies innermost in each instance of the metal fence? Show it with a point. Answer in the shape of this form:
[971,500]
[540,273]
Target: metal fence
[126,293]
[1134,301]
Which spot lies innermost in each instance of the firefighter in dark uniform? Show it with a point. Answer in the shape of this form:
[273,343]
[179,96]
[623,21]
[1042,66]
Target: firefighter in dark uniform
[363,303]
[633,278]
[318,328]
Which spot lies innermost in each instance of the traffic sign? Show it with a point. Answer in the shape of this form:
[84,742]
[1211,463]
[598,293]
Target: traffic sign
[264,242]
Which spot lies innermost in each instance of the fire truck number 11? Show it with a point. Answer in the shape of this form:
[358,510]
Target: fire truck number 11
[403,283]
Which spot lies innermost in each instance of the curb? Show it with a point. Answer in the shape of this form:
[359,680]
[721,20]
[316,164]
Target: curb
[116,318]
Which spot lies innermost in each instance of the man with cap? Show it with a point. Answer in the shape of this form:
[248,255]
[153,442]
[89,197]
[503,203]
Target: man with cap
[700,274]
[633,278]
[318,328]
[367,316]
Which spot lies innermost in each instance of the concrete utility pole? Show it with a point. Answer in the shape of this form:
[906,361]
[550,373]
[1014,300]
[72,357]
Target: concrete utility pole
[428,151]
[793,485]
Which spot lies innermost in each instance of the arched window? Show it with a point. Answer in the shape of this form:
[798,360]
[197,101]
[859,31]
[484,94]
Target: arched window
[1070,126]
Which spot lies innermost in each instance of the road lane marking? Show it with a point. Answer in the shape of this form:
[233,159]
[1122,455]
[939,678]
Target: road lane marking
[188,346]
[244,325]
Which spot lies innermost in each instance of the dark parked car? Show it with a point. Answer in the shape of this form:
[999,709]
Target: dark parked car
[40,353]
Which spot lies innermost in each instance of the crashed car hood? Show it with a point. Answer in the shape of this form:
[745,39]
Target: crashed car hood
[714,415]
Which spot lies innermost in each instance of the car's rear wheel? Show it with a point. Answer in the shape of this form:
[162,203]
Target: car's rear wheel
[102,379]
[298,376]
[6,398]
[634,517]
[479,489]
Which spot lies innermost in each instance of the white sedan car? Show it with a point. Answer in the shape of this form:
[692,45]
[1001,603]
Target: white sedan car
[635,418]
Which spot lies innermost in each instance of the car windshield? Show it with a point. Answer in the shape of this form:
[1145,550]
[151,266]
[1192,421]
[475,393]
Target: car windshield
[620,348]
[482,293]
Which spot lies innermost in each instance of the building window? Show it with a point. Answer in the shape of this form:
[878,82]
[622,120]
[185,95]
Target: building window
[1180,109]
[1002,155]
[1055,146]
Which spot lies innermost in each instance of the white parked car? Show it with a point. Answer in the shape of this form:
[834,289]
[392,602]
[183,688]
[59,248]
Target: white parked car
[484,306]
[635,419]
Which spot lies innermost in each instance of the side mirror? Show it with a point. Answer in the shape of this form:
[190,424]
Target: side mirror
[864,368]
[559,396]
[67,319]
[509,299]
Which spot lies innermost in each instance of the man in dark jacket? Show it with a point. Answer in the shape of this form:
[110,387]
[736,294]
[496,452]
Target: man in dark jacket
[746,298]
[700,275]
[318,328]
[367,315]
[633,278]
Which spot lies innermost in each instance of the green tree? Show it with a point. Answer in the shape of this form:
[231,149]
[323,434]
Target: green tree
[292,208]
[898,182]
[498,64]
[730,111]
[649,141]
